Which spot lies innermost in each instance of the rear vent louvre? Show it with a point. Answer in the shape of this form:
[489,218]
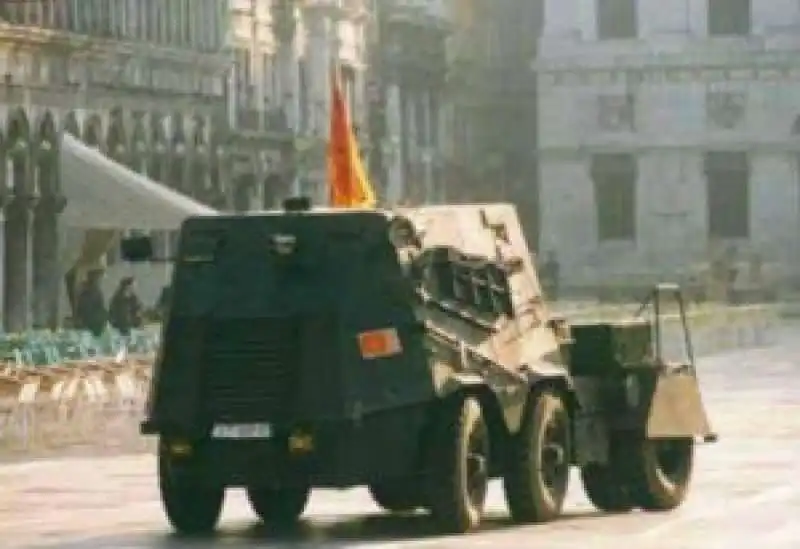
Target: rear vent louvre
[252,369]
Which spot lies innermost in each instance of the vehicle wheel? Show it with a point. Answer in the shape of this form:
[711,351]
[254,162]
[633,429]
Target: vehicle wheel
[458,465]
[608,485]
[396,496]
[537,475]
[661,472]
[278,506]
[606,489]
[192,508]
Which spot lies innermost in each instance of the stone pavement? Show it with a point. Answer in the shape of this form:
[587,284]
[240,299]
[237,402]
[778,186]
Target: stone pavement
[745,490]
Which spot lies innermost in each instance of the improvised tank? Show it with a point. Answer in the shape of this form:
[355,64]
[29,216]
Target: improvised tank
[410,351]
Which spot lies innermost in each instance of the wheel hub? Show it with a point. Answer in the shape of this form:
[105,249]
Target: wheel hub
[553,454]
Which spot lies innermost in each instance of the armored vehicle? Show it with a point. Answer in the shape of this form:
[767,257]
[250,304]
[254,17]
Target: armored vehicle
[409,351]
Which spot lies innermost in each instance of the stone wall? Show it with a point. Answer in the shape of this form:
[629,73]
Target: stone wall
[663,84]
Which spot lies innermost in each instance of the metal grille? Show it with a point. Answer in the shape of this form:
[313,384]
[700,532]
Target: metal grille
[252,369]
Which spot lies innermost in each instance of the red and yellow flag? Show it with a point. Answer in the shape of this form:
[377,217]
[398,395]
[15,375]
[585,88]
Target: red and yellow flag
[348,184]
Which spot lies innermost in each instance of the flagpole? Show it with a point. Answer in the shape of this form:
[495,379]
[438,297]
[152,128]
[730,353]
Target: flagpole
[329,102]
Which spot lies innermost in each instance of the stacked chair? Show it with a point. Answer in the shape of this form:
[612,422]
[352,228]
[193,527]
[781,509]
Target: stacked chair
[68,387]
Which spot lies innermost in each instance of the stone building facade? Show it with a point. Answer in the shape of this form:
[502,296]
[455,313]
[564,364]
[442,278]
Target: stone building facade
[408,128]
[493,96]
[143,81]
[668,130]
[226,101]
[280,95]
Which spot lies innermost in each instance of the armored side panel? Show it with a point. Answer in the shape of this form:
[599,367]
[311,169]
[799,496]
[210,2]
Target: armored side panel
[479,299]
[294,323]
[601,349]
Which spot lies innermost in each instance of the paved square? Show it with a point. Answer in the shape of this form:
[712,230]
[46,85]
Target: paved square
[745,490]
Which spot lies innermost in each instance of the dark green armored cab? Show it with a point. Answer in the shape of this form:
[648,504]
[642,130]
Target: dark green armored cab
[409,351]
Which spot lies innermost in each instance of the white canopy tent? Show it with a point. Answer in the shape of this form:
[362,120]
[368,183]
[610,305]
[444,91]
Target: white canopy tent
[102,194]
[105,198]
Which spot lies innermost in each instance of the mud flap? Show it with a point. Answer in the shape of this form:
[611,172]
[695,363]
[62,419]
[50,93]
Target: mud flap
[676,408]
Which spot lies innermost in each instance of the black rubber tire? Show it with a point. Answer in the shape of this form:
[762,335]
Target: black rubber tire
[278,507]
[192,508]
[606,488]
[458,465]
[608,485]
[661,473]
[530,496]
[396,496]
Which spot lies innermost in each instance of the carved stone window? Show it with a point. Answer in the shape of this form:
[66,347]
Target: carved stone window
[727,194]
[616,112]
[615,179]
[725,110]
[729,17]
[617,19]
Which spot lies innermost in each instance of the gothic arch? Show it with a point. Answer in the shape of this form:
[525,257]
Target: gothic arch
[116,137]
[19,127]
[46,129]
[158,143]
[18,142]
[198,177]
[93,131]
[198,131]
[217,165]
[47,139]
[177,171]
[178,129]
[138,132]
[71,125]
[138,159]
[158,136]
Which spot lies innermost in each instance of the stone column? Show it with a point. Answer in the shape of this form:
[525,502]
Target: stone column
[16,309]
[288,84]
[225,180]
[284,28]
[404,150]
[5,197]
[413,178]
[320,58]
[202,172]
[184,158]
[426,98]
[46,271]
[260,175]
[394,167]
[4,200]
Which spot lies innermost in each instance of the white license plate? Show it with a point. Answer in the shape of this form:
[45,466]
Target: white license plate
[242,430]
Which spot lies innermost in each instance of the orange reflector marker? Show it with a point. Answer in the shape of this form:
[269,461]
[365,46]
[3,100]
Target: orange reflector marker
[379,343]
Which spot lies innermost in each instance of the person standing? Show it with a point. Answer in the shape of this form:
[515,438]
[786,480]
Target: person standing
[125,311]
[91,313]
